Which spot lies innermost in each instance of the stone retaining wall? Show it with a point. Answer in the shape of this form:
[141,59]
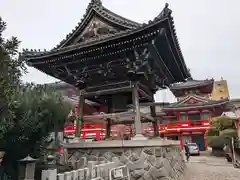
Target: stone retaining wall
[145,160]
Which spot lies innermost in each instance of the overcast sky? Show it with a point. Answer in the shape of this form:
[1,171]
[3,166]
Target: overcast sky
[208,31]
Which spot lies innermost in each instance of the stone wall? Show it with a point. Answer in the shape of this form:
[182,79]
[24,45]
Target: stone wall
[145,160]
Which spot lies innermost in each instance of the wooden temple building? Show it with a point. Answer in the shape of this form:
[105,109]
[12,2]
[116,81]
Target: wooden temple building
[186,120]
[116,62]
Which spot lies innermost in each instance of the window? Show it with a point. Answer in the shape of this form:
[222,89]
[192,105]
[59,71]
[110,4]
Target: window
[194,117]
[220,91]
[183,116]
[205,115]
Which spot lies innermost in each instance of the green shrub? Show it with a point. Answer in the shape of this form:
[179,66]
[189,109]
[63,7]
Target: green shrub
[212,131]
[221,130]
[215,141]
[228,133]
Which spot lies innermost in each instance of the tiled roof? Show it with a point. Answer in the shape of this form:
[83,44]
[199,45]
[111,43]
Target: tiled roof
[191,84]
[164,15]
[66,50]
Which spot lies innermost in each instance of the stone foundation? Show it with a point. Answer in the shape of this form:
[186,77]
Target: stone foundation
[145,159]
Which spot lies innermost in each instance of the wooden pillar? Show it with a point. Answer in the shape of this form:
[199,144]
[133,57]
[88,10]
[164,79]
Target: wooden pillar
[138,124]
[80,114]
[108,128]
[84,135]
[137,110]
[108,125]
[98,135]
[178,116]
[155,124]
[188,119]
[161,123]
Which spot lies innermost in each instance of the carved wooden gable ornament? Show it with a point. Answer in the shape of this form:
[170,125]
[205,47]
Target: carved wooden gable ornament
[95,29]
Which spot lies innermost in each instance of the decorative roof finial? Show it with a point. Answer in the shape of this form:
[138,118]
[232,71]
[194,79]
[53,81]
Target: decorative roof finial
[166,5]
[97,2]
[165,12]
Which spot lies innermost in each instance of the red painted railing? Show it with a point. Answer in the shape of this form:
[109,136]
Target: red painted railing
[184,126]
[98,130]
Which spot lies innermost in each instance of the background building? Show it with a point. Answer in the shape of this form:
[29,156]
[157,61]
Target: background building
[188,119]
[220,90]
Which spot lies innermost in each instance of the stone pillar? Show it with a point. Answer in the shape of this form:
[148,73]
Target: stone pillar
[137,122]
[80,115]
[27,168]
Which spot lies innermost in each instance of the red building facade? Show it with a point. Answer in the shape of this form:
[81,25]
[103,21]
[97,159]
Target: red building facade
[188,119]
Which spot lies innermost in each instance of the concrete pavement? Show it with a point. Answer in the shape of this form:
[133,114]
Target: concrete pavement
[211,168]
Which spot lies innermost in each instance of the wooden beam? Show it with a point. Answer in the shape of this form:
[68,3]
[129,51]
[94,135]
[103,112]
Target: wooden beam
[145,88]
[106,85]
[116,116]
[107,91]
[144,94]
[80,115]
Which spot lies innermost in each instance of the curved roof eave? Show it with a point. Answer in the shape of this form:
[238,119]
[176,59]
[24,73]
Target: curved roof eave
[164,15]
[191,84]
